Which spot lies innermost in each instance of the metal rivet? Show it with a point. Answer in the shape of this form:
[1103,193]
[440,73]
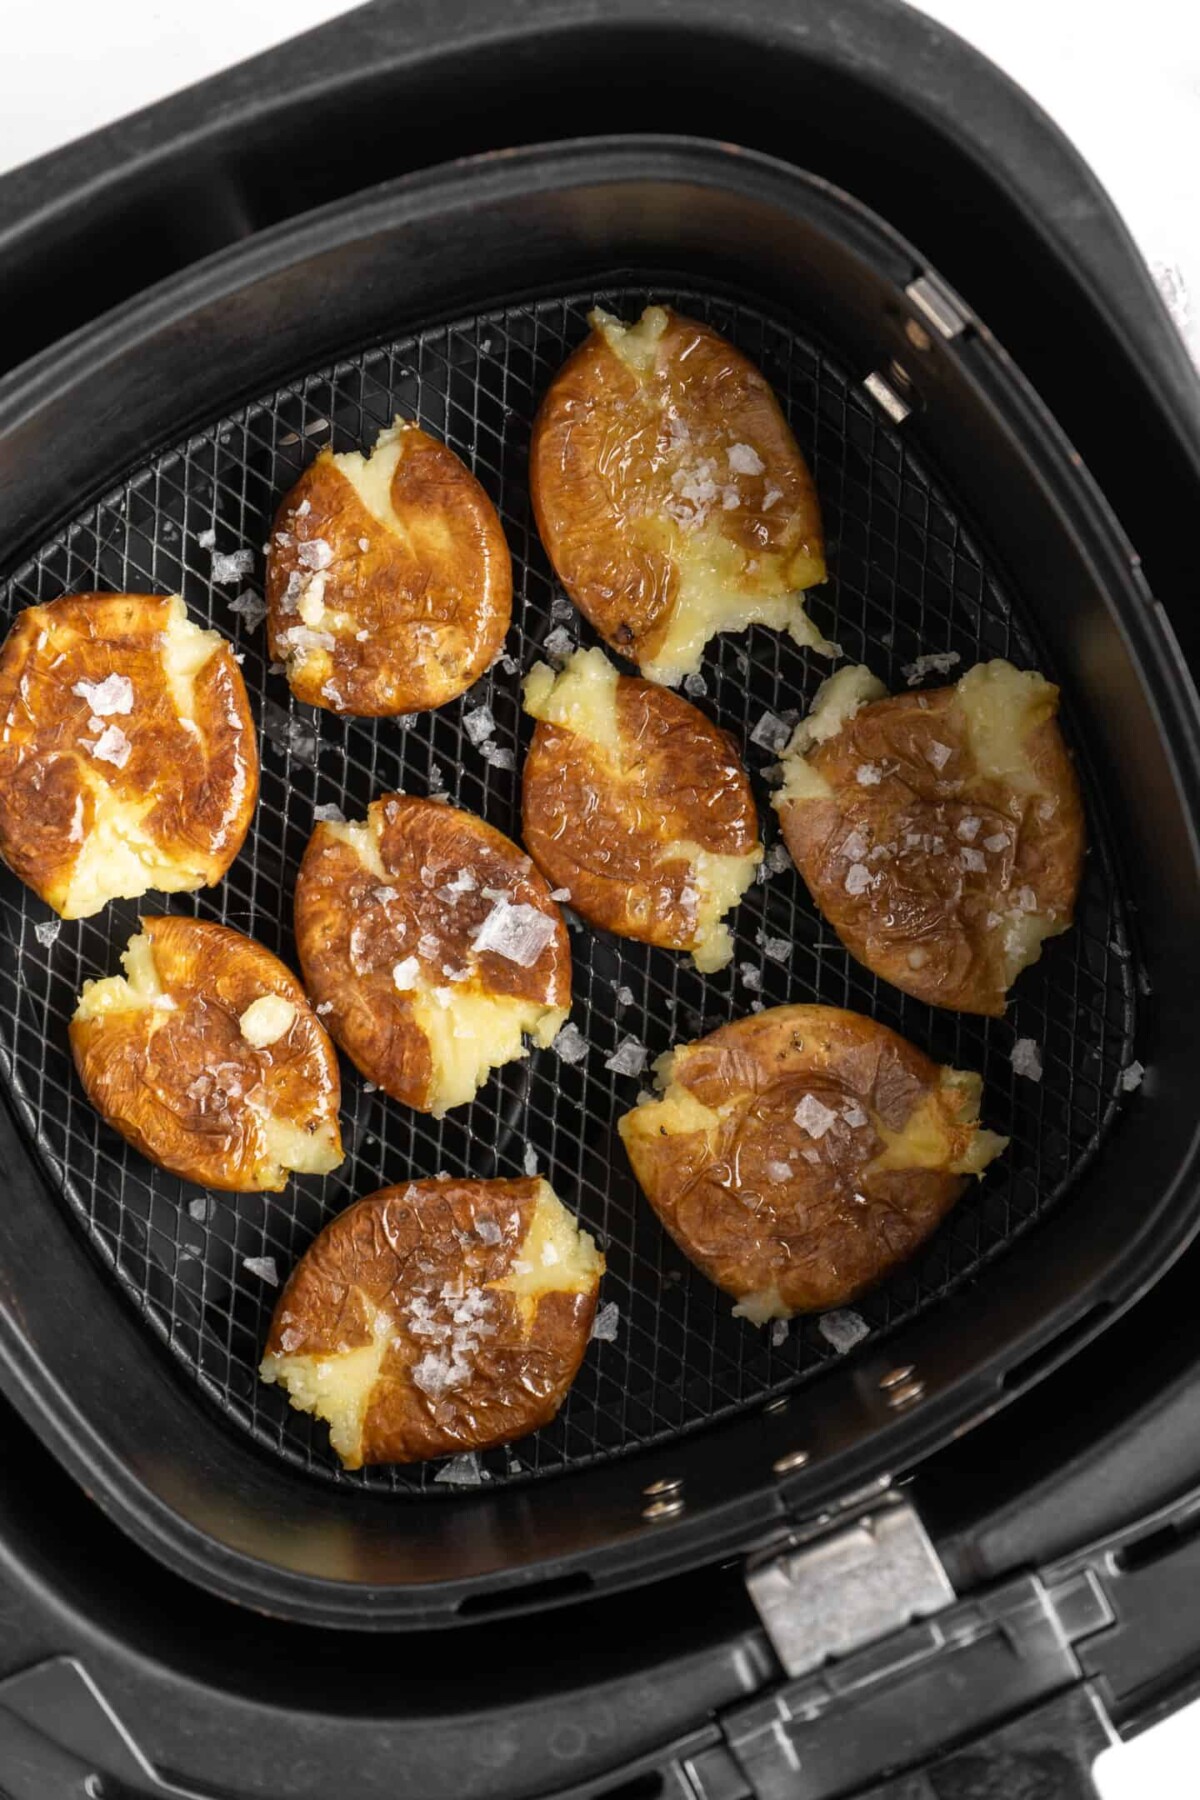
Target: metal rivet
[894,1377]
[904,1396]
[670,1484]
[917,335]
[886,398]
[778,1406]
[795,1459]
[662,1509]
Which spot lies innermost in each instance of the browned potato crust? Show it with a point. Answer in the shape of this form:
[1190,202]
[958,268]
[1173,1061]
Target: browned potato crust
[127,753]
[799,1155]
[388,914]
[437,1316]
[942,851]
[389,581]
[208,1058]
[638,805]
[670,493]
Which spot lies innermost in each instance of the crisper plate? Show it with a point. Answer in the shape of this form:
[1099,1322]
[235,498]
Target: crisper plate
[906,579]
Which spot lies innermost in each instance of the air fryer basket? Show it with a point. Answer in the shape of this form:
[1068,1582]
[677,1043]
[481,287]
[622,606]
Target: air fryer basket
[958,541]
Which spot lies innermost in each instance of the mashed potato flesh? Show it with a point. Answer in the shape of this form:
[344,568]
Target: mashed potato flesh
[582,698]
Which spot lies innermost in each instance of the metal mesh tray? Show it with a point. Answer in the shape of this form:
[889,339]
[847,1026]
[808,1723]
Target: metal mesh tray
[907,578]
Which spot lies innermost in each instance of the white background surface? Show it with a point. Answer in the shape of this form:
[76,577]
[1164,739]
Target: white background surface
[1123,82]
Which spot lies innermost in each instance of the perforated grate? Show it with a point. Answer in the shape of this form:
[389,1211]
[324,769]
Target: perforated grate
[906,579]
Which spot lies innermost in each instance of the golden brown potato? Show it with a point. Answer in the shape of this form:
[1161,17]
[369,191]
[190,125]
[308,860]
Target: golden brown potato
[670,494]
[431,947]
[799,1155]
[206,1055]
[639,806]
[389,581]
[437,1316]
[127,753]
[940,833]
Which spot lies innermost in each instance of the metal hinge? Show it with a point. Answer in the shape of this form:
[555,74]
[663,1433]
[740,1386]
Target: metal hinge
[886,1666]
[849,1584]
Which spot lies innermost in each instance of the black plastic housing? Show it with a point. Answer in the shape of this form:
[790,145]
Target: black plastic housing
[452,240]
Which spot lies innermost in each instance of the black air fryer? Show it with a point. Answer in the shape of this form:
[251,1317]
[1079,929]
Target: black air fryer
[947,1552]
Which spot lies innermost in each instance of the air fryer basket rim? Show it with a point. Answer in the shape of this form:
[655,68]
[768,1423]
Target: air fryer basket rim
[137,1497]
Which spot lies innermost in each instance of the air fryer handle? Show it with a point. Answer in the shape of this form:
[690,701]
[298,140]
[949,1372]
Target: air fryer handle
[60,1739]
[33,1767]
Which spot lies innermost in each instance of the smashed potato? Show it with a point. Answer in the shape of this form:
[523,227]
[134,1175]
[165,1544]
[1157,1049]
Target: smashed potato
[207,1057]
[670,494]
[127,753]
[435,1317]
[940,833]
[431,947]
[389,581]
[799,1155]
[639,806]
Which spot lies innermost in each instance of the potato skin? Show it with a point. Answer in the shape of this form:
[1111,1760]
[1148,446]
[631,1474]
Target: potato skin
[832,1229]
[435,604]
[598,828]
[170,1082]
[925,905]
[601,463]
[202,785]
[341,919]
[410,1241]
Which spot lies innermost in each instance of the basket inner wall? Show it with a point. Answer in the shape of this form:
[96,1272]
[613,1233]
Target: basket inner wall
[907,578]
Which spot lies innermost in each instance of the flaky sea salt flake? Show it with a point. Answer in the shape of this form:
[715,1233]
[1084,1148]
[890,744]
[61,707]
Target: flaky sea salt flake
[868,774]
[745,460]
[112,695]
[774,862]
[770,733]
[328,813]
[226,569]
[1131,1078]
[570,1045]
[629,1057]
[518,933]
[938,754]
[559,645]
[843,1329]
[463,1471]
[479,724]
[112,746]
[814,1117]
[263,1267]
[1026,1059]
[47,931]
[938,662]
[604,1325]
[250,607]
